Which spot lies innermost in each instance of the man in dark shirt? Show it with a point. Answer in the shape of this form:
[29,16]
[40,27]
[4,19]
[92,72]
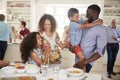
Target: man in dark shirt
[24,31]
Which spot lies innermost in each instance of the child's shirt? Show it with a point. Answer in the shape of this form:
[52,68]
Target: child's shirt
[75,32]
[39,53]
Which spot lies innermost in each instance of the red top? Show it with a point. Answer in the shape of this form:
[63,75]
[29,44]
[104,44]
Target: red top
[24,32]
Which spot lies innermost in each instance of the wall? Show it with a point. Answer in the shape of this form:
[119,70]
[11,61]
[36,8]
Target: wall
[40,9]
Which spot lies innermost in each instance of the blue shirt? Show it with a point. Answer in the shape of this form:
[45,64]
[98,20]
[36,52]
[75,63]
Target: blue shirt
[5,31]
[113,32]
[75,33]
[94,40]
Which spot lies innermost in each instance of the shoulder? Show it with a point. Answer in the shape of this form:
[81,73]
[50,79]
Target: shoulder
[27,30]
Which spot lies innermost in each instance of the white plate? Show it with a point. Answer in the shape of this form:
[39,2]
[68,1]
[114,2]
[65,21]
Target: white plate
[8,70]
[74,72]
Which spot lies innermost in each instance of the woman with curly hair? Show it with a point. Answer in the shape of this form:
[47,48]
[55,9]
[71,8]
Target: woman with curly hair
[30,49]
[47,25]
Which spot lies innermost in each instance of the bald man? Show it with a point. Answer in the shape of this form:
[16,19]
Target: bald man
[113,39]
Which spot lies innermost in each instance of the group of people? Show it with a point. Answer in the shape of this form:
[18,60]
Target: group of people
[22,33]
[86,39]
[9,33]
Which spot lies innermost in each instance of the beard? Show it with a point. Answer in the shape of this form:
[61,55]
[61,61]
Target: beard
[90,20]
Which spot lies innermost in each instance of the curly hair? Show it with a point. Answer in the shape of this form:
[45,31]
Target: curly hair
[47,17]
[27,45]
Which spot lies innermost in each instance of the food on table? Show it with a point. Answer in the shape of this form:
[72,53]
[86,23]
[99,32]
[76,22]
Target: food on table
[20,67]
[50,79]
[74,72]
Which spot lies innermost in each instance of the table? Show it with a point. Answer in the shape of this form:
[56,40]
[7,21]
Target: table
[55,76]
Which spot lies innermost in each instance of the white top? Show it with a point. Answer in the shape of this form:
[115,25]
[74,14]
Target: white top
[50,39]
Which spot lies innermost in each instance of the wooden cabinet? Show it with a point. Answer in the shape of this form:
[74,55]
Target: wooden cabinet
[18,10]
[111,11]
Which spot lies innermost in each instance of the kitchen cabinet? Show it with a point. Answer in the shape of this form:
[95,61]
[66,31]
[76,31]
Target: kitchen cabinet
[111,11]
[18,10]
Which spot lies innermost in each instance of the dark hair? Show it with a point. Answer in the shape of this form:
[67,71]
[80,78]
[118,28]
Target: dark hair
[27,45]
[2,17]
[95,8]
[72,11]
[47,17]
[23,23]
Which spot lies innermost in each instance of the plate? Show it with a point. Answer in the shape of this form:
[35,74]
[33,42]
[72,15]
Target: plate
[20,69]
[74,72]
[8,70]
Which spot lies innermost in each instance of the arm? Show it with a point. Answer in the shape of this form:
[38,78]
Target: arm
[10,40]
[46,53]
[87,25]
[92,58]
[82,63]
[35,57]
[58,41]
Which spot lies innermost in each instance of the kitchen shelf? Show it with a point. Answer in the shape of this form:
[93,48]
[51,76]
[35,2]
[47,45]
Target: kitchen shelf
[111,11]
[18,10]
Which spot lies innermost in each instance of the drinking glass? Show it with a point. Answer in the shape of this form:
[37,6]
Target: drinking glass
[56,68]
[44,69]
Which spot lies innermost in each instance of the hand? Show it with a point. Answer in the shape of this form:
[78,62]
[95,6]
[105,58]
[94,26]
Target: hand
[100,21]
[46,45]
[114,37]
[80,64]
[72,48]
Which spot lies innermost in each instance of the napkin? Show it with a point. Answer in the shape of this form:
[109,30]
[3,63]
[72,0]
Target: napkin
[19,78]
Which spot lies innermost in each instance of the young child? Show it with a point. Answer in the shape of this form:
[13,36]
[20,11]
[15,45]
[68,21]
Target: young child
[75,28]
[30,49]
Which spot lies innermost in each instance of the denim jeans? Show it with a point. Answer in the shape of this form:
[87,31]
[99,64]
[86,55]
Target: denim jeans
[112,51]
[3,47]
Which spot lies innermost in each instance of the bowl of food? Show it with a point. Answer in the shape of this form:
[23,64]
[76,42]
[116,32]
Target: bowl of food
[32,69]
[74,72]
[8,70]
[20,69]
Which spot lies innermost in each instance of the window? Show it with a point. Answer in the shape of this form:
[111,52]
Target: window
[59,11]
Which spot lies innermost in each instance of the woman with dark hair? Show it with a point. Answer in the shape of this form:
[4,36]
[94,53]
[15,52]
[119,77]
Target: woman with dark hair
[30,49]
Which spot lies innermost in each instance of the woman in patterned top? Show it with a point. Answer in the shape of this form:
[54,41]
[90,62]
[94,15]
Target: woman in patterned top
[47,25]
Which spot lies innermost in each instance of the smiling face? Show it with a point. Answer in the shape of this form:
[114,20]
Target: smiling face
[47,25]
[113,23]
[39,40]
[90,15]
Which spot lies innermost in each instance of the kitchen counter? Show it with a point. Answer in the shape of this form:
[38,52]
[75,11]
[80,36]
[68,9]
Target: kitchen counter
[13,52]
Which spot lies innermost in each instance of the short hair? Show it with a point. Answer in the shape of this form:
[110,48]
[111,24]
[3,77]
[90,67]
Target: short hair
[2,17]
[23,23]
[72,11]
[95,8]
